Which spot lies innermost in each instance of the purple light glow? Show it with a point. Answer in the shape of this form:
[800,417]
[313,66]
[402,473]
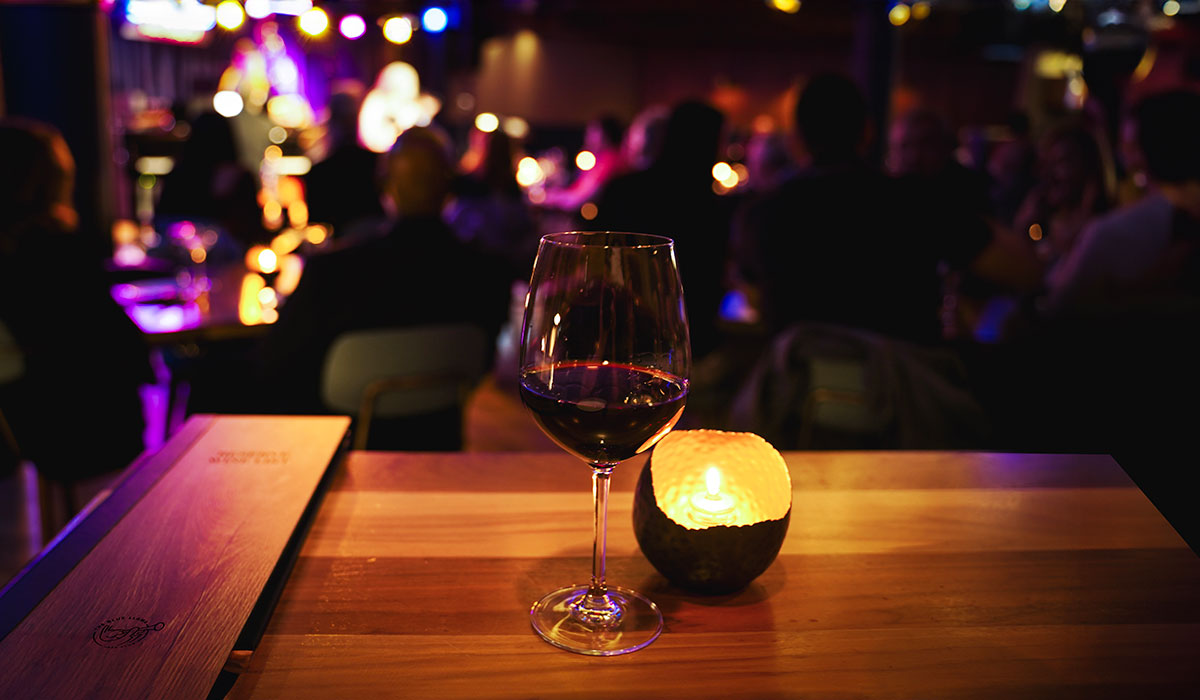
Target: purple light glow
[352,26]
[145,290]
[156,318]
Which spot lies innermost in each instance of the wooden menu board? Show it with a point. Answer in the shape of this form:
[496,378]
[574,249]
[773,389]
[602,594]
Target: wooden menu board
[155,605]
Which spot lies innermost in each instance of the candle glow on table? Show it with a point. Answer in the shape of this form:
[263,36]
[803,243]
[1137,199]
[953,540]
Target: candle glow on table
[711,508]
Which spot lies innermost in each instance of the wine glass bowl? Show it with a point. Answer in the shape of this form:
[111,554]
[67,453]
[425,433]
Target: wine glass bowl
[604,370]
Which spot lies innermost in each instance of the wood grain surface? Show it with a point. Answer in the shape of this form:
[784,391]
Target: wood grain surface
[154,608]
[904,575]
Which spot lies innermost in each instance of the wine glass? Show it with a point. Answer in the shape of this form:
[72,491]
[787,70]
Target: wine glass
[604,371]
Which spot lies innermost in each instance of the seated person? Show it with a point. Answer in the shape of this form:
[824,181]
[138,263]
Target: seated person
[419,273]
[842,244]
[74,408]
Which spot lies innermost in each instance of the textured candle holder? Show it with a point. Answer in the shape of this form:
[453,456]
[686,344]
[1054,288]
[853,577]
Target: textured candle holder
[711,509]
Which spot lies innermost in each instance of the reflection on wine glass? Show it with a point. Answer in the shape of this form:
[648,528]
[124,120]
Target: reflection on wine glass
[604,370]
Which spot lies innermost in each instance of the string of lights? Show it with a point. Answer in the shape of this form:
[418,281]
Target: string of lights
[190,21]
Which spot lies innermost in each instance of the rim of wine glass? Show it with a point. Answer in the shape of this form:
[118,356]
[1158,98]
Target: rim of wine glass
[580,238]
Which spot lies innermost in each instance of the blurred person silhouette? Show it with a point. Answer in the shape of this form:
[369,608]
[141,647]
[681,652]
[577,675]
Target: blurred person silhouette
[1148,247]
[487,209]
[922,158]
[419,273]
[73,406]
[1071,189]
[208,184]
[343,188]
[674,197]
[603,138]
[842,244]
[921,148]
[769,161]
[1011,166]
[643,138]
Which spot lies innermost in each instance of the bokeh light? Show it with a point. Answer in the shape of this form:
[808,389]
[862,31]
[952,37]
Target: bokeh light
[352,26]
[899,14]
[789,6]
[516,127]
[487,122]
[588,211]
[398,30]
[920,9]
[228,103]
[258,8]
[268,262]
[230,14]
[434,20]
[529,172]
[316,234]
[585,160]
[1056,5]
[1170,8]
[314,22]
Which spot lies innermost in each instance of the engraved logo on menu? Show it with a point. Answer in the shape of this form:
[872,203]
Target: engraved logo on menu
[250,457]
[123,632]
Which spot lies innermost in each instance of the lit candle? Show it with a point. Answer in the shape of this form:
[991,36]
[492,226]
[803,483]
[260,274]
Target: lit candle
[712,507]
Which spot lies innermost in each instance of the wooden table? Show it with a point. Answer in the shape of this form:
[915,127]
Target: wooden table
[905,575]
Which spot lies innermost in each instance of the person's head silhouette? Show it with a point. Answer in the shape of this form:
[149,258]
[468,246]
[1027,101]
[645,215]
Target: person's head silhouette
[831,119]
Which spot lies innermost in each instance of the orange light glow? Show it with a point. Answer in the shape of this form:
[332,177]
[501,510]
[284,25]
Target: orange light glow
[290,269]
[272,214]
[298,214]
[316,234]
[249,310]
[589,211]
[289,189]
[1035,232]
[198,255]
[286,242]
[708,477]
[124,231]
[899,14]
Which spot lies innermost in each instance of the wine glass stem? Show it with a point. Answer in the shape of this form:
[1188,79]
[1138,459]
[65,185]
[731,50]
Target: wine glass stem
[600,480]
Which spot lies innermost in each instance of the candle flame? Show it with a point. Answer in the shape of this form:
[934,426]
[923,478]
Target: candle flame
[712,482]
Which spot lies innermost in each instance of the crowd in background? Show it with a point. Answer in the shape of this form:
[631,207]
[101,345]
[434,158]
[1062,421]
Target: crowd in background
[1037,295]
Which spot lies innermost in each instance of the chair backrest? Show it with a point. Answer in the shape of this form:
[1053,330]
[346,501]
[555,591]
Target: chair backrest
[395,372]
[822,386]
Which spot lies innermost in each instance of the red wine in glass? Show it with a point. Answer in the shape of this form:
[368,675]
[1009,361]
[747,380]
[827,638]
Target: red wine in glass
[603,413]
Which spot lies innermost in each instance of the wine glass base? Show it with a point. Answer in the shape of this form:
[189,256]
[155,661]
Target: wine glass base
[557,618]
